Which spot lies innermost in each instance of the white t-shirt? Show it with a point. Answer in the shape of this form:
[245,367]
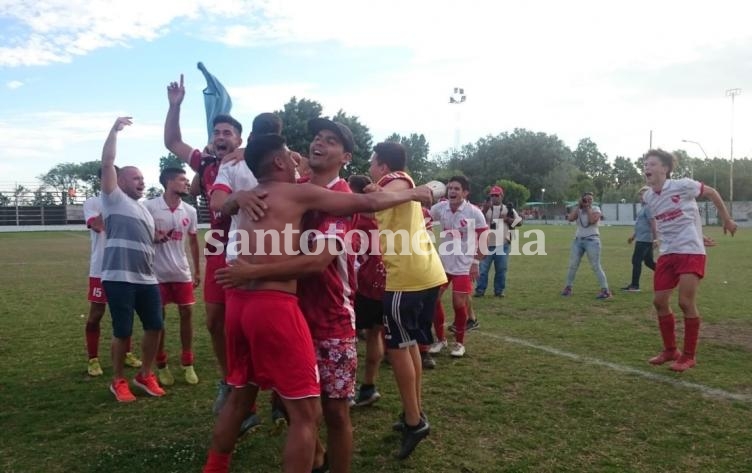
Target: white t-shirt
[231,178]
[585,229]
[92,210]
[459,226]
[170,260]
[677,216]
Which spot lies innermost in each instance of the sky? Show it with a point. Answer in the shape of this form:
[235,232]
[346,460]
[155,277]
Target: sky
[606,71]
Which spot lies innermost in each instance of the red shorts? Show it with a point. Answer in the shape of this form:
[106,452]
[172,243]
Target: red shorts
[461,283]
[96,291]
[670,267]
[213,292]
[269,344]
[180,293]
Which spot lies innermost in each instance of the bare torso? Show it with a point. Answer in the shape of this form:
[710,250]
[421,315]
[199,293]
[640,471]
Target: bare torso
[274,246]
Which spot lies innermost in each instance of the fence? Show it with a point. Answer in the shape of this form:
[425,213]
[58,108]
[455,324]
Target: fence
[30,210]
[625,214]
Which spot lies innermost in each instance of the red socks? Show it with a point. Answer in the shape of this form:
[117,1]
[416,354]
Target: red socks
[691,334]
[460,323]
[161,360]
[438,321]
[128,345]
[92,339]
[186,358]
[667,324]
[217,462]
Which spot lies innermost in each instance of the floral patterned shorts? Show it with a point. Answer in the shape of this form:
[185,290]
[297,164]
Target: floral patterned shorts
[338,363]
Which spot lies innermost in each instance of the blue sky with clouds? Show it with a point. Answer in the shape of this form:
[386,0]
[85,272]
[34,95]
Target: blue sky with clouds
[575,69]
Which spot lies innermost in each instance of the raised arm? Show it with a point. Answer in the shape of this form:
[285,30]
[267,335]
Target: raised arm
[109,175]
[338,203]
[173,139]
[729,226]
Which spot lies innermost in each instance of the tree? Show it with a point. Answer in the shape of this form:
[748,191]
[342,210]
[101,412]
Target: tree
[88,173]
[514,193]
[43,198]
[62,177]
[153,192]
[295,115]
[170,161]
[523,156]
[5,200]
[418,165]
[361,155]
[595,164]
[624,173]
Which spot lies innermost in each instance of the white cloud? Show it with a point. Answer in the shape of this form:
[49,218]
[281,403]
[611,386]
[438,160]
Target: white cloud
[14,84]
[35,142]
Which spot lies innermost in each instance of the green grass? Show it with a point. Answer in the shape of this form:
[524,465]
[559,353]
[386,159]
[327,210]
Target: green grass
[504,407]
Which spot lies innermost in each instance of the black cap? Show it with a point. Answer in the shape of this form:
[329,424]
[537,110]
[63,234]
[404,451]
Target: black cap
[315,125]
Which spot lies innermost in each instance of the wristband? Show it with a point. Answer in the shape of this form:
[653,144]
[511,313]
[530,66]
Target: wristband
[476,262]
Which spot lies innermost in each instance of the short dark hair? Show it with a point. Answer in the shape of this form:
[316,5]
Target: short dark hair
[462,181]
[169,174]
[230,121]
[259,150]
[265,123]
[667,159]
[392,154]
[358,182]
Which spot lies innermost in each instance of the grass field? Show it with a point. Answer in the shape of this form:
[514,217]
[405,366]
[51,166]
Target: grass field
[548,385]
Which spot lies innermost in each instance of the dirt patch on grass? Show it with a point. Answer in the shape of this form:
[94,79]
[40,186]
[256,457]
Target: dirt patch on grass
[728,333]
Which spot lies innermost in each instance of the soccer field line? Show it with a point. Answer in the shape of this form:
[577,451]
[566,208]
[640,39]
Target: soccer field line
[708,391]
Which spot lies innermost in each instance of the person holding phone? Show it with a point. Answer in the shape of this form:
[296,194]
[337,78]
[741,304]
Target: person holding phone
[586,241]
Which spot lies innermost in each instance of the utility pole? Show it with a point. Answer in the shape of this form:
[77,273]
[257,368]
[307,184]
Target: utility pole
[732,93]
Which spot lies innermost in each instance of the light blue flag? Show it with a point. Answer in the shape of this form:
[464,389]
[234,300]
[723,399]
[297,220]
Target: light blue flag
[216,99]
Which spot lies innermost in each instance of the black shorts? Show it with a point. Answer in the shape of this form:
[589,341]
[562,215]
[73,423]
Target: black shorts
[369,313]
[409,317]
[125,298]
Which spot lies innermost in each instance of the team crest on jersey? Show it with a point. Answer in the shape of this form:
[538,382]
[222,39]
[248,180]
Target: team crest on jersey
[186,221]
[675,198]
[463,223]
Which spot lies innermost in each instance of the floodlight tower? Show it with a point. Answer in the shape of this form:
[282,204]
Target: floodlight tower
[732,93]
[458,97]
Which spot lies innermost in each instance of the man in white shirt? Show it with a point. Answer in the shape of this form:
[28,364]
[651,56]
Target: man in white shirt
[500,220]
[461,223]
[177,221]
[234,176]
[96,296]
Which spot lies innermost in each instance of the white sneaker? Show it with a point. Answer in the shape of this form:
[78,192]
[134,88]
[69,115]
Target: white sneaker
[437,347]
[458,350]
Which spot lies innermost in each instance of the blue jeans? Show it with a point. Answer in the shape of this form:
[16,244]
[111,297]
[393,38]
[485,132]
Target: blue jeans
[591,247]
[500,262]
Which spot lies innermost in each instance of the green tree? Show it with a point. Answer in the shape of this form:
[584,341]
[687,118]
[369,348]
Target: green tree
[62,177]
[523,156]
[170,161]
[153,192]
[595,164]
[295,115]
[363,143]
[5,200]
[88,174]
[43,198]
[624,173]
[514,193]
[420,167]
